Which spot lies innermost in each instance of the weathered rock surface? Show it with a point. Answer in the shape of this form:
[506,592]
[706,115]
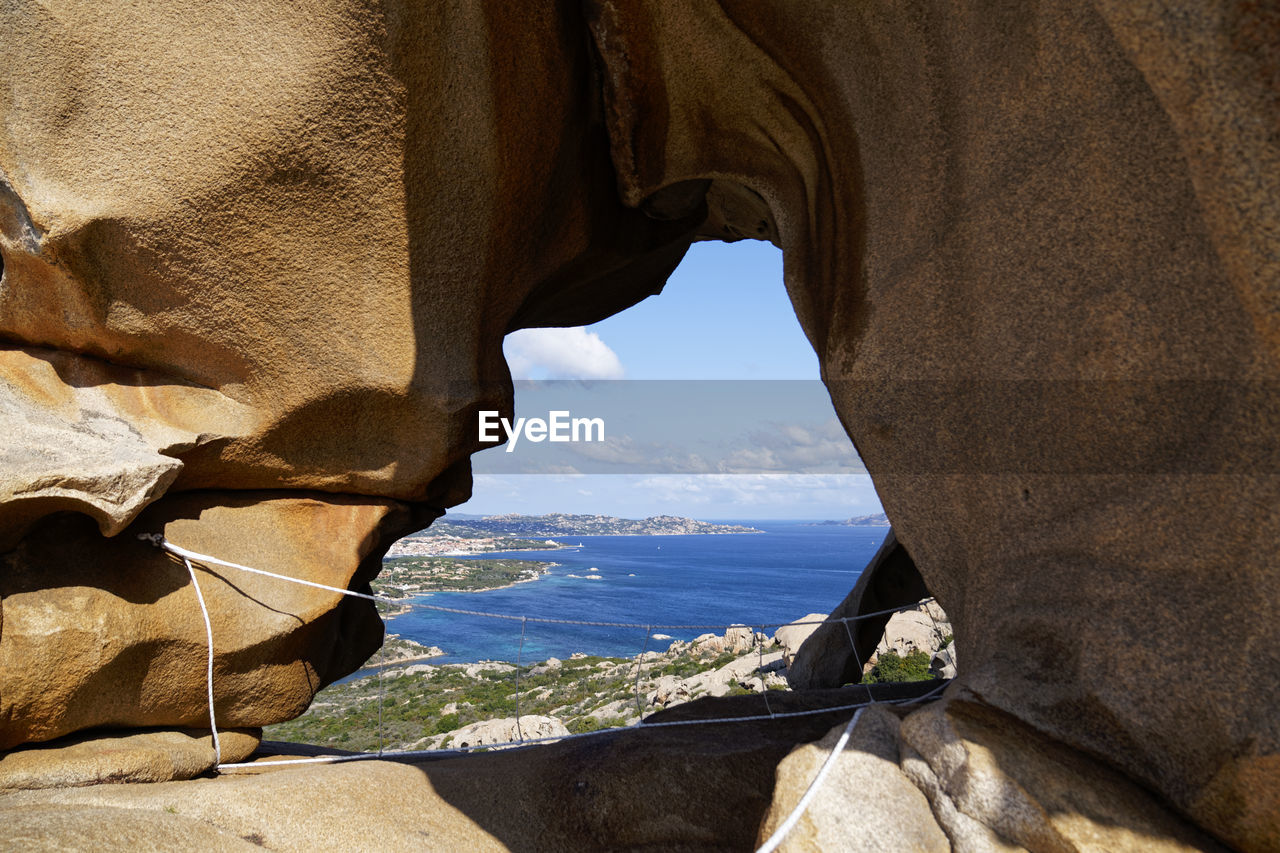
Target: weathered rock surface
[250,253]
[897,786]
[792,637]
[837,653]
[680,788]
[1037,250]
[924,629]
[506,730]
[86,827]
[119,641]
[97,758]
[994,783]
[868,803]
[958,775]
[753,672]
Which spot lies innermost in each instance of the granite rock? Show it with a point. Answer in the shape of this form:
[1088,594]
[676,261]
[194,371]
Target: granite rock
[120,642]
[792,637]
[867,804]
[1034,247]
[97,758]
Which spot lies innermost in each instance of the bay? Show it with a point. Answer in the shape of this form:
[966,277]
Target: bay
[769,578]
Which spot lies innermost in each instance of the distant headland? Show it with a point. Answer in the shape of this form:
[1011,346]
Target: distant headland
[877,520]
[427,561]
[564,524]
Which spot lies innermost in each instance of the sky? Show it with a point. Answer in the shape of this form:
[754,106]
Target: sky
[747,431]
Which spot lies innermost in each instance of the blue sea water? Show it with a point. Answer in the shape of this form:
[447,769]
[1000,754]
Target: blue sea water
[778,576]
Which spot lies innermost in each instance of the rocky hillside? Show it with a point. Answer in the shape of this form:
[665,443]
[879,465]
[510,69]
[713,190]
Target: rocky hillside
[428,706]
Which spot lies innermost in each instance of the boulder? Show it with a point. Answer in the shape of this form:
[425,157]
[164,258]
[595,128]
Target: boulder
[713,643]
[154,756]
[925,629]
[745,672]
[506,730]
[837,653]
[791,637]
[738,639]
[867,803]
[669,690]
[288,287]
[1033,246]
[120,642]
[943,664]
[994,783]
[684,787]
[1035,251]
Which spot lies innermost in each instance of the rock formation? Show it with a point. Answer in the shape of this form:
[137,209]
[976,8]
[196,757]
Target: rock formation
[922,629]
[257,267]
[792,637]
[258,263]
[1036,252]
[834,654]
[529,726]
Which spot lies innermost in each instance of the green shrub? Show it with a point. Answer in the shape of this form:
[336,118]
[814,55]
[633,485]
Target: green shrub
[893,667]
[579,725]
[447,723]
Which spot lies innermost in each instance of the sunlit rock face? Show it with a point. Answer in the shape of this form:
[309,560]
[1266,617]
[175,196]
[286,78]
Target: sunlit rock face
[257,267]
[252,253]
[1036,251]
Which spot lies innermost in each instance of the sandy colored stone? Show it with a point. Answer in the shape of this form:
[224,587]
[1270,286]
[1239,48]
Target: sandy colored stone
[867,804]
[306,209]
[837,653]
[120,641]
[96,758]
[40,827]
[1036,252]
[1035,249]
[923,629]
[505,730]
[966,834]
[792,636]
[680,789]
[1032,792]
[88,436]
[738,639]
[269,251]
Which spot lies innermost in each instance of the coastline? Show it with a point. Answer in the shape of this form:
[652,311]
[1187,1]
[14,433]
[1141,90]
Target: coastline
[407,606]
[393,552]
[539,577]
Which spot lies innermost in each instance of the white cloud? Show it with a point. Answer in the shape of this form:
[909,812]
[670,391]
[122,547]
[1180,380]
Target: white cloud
[780,495]
[572,353]
[813,496]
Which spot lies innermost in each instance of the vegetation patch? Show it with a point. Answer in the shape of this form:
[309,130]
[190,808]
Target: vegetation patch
[402,577]
[422,703]
[893,667]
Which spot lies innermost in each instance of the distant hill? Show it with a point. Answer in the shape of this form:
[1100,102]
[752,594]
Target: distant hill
[563,524]
[877,520]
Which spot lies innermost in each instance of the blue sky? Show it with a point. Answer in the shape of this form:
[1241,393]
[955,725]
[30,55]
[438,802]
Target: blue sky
[724,315]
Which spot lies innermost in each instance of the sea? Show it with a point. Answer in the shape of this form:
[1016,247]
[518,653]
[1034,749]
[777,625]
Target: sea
[789,570]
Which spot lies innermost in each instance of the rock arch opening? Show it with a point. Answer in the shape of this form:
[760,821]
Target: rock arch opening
[716,359]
